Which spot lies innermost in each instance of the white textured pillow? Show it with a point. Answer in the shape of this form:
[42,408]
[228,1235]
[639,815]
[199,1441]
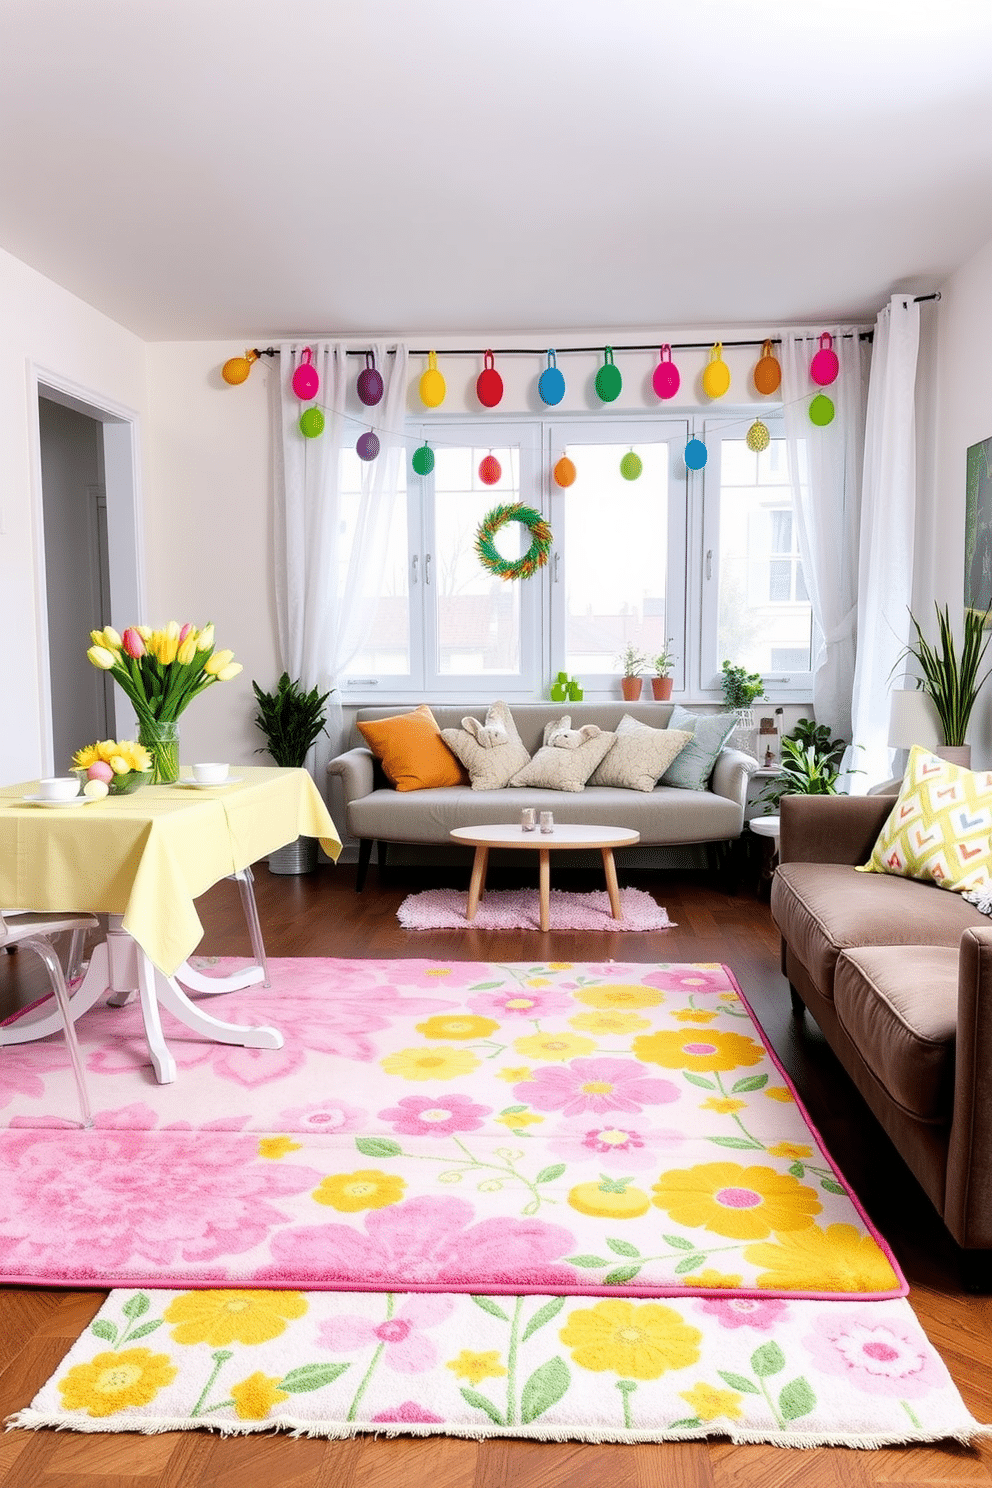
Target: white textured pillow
[640,756]
[489,765]
[564,769]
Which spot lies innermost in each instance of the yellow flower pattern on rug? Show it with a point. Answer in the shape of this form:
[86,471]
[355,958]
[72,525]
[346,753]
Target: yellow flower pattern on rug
[224,1317]
[849,1255]
[112,1382]
[636,1340]
[940,828]
[746,1203]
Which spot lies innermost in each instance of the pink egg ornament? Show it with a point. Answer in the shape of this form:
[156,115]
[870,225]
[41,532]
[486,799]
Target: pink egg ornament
[306,383]
[666,378]
[824,366]
[99,770]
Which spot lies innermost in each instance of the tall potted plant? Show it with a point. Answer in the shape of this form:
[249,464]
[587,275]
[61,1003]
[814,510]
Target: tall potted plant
[951,681]
[291,720]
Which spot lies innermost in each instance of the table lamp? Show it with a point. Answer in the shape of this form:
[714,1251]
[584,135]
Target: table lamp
[913,720]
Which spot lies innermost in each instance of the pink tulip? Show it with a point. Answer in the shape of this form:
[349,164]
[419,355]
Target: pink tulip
[132,642]
[186,630]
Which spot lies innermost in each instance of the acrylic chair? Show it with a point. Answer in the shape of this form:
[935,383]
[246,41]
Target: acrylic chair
[33,932]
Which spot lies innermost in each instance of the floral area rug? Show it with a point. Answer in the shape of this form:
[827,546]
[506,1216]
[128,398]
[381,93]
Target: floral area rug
[615,1130]
[519,909]
[557,1368]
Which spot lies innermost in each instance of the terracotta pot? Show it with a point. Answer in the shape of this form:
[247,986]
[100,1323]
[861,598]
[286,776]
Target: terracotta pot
[662,688]
[631,688]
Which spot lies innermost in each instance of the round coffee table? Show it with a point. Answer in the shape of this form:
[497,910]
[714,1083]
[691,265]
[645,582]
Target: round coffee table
[564,835]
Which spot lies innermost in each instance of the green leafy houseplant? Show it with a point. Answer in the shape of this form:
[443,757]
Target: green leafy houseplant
[949,680]
[810,764]
[290,719]
[665,660]
[632,662]
[740,687]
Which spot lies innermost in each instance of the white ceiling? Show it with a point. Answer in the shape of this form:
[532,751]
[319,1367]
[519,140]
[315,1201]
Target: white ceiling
[240,169]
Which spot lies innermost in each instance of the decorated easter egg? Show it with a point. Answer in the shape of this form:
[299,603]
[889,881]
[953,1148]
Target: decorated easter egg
[716,373]
[631,466]
[666,379]
[236,369]
[551,383]
[99,770]
[757,437]
[432,384]
[489,385]
[824,366]
[422,460]
[367,446]
[821,410]
[695,454]
[95,790]
[608,379]
[311,423]
[370,386]
[767,372]
[306,383]
[565,472]
[490,470]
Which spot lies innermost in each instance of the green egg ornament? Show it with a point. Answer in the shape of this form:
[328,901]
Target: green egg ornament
[422,460]
[821,410]
[311,423]
[631,466]
[608,379]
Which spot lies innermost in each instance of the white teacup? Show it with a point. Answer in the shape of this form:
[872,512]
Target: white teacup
[59,788]
[210,774]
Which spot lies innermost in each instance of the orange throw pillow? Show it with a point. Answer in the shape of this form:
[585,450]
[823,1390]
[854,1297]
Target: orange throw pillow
[413,754]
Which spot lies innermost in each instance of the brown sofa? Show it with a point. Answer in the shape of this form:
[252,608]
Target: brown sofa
[898,975]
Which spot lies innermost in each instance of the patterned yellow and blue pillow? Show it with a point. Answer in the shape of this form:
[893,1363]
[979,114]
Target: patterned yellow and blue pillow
[940,829]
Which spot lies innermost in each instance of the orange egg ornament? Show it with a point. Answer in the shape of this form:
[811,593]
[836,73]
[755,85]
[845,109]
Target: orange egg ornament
[767,372]
[236,369]
[564,472]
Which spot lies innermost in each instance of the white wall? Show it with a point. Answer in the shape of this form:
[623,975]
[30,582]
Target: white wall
[964,417]
[46,327]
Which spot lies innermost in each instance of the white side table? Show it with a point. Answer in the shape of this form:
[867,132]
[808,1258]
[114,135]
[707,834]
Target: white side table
[767,827]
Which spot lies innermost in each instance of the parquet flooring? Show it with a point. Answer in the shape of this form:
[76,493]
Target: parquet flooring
[322,915]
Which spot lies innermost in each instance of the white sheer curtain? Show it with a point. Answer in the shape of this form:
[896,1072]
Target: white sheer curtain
[328,579]
[887,533]
[825,473]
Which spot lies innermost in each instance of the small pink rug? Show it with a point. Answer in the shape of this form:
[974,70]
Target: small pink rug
[518,909]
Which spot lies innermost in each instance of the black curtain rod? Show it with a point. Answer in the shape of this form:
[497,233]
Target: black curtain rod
[452,351]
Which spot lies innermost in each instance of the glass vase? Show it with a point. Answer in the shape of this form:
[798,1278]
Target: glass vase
[161,739]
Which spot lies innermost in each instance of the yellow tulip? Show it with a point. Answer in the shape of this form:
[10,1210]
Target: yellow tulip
[206,638]
[145,632]
[218,662]
[231,670]
[102,658]
[187,650]
[112,640]
[168,644]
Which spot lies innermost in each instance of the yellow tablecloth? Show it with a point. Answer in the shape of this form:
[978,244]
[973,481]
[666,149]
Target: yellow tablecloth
[149,855]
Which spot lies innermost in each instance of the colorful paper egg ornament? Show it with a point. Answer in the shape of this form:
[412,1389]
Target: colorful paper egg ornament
[370,384]
[824,367]
[767,373]
[367,446]
[551,383]
[311,423]
[306,383]
[696,454]
[666,379]
[490,470]
[565,472]
[236,369]
[422,460]
[716,373]
[489,385]
[821,411]
[608,379]
[432,384]
[631,466]
[757,437]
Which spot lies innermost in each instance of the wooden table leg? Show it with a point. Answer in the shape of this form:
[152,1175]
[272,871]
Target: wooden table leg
[477,882]
[612,887]
[545,887]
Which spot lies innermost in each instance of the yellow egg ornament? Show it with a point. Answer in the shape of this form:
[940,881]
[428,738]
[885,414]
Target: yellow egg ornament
[758,437]
[716,373]
[432,384]
[236,369]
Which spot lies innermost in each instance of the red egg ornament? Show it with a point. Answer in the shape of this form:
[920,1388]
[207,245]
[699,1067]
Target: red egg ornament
[490,470]
[306,383]
[824,366]
[370,384]
[489,387]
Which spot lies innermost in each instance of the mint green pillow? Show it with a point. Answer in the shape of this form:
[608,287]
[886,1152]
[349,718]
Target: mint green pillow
[692,767]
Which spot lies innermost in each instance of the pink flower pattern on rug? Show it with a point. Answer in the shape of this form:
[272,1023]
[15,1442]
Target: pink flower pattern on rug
[597,1085]
[427,1115]
[406,1348]
[623,1144]
[877,1357]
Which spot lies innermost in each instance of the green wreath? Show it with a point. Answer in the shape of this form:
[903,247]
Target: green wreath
[536,555]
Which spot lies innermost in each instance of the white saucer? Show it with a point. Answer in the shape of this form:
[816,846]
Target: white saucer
[202,784]
[72,801]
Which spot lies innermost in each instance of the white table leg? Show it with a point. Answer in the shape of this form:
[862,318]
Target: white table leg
[172,997]
[162,1061]
[236,982]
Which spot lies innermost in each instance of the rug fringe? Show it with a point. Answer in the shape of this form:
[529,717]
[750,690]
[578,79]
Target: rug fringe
[32,1420]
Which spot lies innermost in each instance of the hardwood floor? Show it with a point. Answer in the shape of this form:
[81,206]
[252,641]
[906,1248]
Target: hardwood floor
[322,915]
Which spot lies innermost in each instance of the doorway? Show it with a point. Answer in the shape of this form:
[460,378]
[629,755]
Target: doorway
[91,563]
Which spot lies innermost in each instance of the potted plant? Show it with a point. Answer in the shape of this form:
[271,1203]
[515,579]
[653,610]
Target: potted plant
[810,764]
[950,681]
[661,682]
[740,689]
[632,663]
[291,720]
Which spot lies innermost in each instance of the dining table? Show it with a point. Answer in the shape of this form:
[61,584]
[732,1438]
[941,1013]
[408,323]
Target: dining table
[143,859]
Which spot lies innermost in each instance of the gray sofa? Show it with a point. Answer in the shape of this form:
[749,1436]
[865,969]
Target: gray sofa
[374,812]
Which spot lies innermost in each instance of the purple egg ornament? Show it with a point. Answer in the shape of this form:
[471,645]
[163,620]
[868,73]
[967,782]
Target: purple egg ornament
[370,385]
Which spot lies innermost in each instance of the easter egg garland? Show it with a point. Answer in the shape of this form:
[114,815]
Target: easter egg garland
[536,555]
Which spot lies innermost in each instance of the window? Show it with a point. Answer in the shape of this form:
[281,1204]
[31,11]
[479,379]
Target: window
[704,562]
